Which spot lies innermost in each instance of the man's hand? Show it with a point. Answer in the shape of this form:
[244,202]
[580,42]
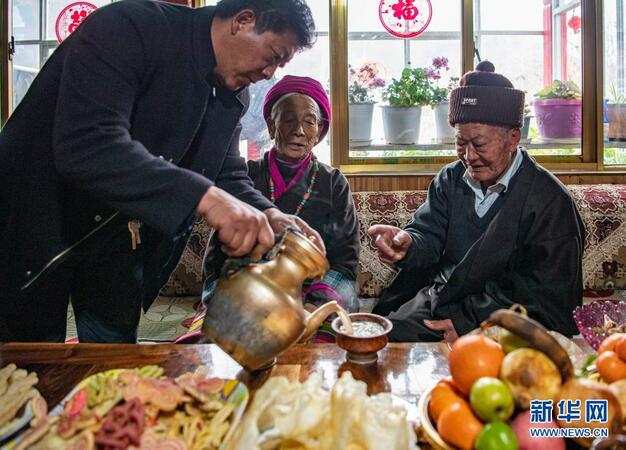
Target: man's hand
[445,326]
[392,242]
[239,225]
[279,221]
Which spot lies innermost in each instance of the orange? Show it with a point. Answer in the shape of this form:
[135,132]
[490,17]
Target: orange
[610,367]
[472,357]
[620,349]
[442,396]
[458,426]
[610,342]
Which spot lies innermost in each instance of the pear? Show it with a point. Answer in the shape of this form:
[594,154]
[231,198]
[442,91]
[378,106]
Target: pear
[511,342]
[530,375]
[583,389]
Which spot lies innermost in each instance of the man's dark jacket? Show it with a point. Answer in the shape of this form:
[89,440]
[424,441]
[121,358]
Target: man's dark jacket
[530,253]
[98,137]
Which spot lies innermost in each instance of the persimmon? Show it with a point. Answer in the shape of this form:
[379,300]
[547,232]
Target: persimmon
[442,396]
[472,357]
[458,426]
[610,342]
[610,367]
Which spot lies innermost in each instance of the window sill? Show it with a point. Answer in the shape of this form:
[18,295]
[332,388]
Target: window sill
[409,170]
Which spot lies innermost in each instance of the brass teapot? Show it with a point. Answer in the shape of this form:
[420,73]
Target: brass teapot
[257,313]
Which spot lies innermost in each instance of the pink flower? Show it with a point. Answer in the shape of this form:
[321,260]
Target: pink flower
[367,76]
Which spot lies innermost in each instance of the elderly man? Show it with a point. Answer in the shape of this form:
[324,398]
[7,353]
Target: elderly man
[129,131]
[496,229]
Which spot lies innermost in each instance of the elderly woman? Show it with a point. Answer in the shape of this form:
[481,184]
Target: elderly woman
[297,113]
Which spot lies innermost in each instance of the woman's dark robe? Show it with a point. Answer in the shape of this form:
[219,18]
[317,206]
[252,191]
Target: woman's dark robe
[330,211]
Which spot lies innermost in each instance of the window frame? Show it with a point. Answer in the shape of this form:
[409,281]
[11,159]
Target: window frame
[592,145]
[591,159]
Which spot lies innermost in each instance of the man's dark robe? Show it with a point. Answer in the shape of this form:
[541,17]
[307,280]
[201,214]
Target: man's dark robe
[123,121]
[529,253]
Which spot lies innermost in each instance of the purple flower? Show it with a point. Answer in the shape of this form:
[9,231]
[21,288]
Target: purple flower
[378,82]
[441,63]
[431,74]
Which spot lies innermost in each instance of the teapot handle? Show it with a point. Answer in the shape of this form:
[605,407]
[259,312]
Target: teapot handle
[233,264]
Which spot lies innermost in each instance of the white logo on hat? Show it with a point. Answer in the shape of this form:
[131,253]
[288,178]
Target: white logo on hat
[469,101]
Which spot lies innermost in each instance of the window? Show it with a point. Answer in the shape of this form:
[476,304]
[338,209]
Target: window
[614,117]
[35,37]
[376,57]
[35,40]
[535,43]
[314,63]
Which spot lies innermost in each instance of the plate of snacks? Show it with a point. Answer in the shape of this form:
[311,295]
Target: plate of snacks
[306,416]
[141,409]
[21,402]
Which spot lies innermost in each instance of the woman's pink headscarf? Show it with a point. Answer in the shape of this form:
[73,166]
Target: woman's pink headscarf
[290,84]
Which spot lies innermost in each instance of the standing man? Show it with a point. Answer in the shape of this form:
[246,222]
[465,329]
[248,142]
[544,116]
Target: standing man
[129,131]
[496,229]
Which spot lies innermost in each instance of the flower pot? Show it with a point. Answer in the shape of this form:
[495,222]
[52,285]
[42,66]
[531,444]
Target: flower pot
[401,124]
[558,118]
[526,127]
[360,124]
[445,133]
[617,122]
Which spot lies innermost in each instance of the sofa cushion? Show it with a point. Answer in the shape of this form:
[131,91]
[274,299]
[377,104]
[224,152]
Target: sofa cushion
[603,210]
[389,208]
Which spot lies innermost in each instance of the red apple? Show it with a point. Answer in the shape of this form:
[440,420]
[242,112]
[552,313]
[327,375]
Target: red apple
[521,424]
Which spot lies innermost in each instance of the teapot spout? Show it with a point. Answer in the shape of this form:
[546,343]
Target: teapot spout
[315,319]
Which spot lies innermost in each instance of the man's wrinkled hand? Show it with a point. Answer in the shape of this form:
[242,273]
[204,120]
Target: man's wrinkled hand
[444,326]
[240,227]
[391,242]
[279,221]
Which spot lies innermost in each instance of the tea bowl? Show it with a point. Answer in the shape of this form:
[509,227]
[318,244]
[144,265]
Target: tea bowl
[362,349]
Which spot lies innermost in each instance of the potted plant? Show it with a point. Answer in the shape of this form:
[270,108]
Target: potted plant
[363,83]
[406,96]
[445,133]
[558,110]
[616,112]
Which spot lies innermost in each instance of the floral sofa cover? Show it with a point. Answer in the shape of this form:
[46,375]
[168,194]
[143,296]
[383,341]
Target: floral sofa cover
[602,207]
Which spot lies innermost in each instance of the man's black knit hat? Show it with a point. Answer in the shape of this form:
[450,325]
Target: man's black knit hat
[484,96]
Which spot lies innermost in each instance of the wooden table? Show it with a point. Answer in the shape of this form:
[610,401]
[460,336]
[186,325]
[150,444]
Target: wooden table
[406,370]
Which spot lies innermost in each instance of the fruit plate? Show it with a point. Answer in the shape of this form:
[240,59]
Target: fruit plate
[576,354]
[590,319]
[429,431]
[232,392]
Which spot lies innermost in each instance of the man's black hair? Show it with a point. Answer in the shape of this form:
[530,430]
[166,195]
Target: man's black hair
[276,16]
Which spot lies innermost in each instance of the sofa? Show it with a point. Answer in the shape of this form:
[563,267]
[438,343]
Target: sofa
[602,207]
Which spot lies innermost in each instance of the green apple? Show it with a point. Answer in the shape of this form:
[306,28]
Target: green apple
[496,436]
[491,399]
[510,341]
